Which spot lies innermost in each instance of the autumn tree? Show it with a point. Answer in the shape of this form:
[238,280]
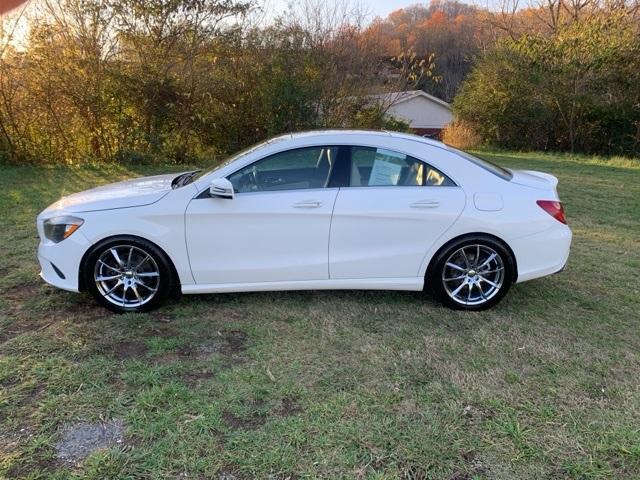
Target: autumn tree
[139,80]
[448,32]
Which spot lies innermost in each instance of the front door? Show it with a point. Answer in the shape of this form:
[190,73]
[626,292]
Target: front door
[275,229]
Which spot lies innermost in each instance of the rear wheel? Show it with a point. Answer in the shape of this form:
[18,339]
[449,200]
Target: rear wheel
[128,275]
[473,273]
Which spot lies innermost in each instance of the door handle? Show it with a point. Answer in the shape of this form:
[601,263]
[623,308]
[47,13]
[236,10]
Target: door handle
[307,204]
[425,204]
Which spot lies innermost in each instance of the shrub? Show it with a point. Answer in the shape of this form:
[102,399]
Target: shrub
[577,89]
[462,135]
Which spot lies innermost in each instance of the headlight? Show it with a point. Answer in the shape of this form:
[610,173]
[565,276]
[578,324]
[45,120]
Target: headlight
[57,229]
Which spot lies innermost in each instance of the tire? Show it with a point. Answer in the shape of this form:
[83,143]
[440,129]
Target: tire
[472,273]
[138,277]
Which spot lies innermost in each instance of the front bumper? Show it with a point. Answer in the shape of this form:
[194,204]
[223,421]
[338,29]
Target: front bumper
[60,262]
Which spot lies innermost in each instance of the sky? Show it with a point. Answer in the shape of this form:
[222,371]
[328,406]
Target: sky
[376,8]
[380,8]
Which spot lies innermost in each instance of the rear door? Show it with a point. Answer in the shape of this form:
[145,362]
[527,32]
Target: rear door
[392,210]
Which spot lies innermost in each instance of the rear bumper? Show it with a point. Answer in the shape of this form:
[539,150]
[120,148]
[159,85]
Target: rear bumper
[60,262]
[543,253]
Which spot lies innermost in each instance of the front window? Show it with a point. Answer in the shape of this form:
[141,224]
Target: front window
[297,169]
[374,167]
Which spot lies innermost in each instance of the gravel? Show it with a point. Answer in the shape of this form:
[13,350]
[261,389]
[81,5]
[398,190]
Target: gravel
[78,441]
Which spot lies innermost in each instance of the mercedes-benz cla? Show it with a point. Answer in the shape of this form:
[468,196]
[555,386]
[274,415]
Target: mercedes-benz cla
[314,210]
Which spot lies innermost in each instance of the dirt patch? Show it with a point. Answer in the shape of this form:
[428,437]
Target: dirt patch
[165,328]
[235,342]
[85,309]
[188,352]
[32,396]
[194,379]
[25,469]
[163,318]
[124,350]
[200,351]
[474,467]
[23,320]
[12,440]
[233,346]
[226,476]
[24,326]
[231,343]
[13,312]
[19,293]
[288,406]
[238,423]
[80,440]
[229,472]
[10,381]
[6,334]
[167,358]
[229,314]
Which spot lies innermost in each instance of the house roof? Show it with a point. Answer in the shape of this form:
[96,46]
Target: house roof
[395,98]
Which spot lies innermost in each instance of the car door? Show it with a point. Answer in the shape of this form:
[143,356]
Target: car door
[393,209]
[275,229]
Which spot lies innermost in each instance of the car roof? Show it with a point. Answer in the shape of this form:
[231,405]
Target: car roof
[372,133]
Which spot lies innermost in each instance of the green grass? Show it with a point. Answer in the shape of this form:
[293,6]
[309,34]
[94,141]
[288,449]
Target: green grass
[334,384]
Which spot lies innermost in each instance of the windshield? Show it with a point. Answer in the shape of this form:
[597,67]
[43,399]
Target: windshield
[239,154]
[486,164]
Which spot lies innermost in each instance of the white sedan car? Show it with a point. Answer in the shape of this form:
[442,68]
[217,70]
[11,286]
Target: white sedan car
[314,210]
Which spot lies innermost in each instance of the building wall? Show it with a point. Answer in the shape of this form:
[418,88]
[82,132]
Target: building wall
[422,113]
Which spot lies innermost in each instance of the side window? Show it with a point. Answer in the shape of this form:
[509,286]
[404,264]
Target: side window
[373,167]
[291,170]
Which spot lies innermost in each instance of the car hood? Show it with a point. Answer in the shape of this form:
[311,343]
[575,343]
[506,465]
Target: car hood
[129,193]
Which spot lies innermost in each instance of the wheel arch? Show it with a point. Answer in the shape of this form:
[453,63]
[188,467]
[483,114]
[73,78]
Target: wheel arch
[471,235]
[81,280]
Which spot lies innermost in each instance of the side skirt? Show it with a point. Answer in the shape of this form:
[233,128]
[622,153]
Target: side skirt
[411,283]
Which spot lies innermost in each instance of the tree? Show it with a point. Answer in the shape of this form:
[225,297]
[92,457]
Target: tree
[447,30]
[181,79]
[576,89]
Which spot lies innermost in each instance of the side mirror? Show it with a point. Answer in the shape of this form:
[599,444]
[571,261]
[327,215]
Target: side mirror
[221,188]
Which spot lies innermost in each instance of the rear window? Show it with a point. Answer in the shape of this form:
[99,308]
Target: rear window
[375,167]
[486,164]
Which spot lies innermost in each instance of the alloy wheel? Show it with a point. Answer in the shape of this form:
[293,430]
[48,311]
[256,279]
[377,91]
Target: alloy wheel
[473,274]
[127,276]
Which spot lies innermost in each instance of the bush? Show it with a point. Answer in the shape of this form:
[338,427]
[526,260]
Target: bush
[375,118]
[576,90]
[155,80]
[462,135]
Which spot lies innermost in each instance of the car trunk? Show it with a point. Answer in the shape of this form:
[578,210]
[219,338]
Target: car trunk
[537,180]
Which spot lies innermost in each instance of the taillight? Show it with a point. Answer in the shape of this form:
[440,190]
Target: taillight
[553,208]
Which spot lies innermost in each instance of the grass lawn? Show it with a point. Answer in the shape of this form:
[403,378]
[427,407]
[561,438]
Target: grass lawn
[331,384]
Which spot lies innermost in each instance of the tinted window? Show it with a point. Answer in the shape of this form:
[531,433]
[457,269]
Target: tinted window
[373,167]
[291,170]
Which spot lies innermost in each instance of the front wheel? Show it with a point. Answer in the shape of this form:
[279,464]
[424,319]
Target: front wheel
[128,275]
[472,273]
